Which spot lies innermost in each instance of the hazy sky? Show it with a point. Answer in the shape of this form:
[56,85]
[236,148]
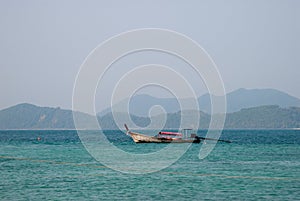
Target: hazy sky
[255,44]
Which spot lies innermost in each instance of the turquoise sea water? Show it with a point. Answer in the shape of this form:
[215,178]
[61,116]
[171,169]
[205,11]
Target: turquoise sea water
[258,165]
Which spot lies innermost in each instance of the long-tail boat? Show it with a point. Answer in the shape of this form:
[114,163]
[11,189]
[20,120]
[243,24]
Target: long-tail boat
[169,137]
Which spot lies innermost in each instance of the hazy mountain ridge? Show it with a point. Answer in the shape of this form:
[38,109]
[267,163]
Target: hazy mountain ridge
[248,98]
[27,116]
[255,108]
[139,105]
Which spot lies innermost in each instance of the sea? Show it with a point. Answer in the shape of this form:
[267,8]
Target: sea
[54,165]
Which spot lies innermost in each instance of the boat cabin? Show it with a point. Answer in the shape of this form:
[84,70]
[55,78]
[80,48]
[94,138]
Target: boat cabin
[184,134]
[169,135]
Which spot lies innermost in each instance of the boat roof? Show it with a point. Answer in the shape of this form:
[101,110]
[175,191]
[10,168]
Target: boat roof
[169,133]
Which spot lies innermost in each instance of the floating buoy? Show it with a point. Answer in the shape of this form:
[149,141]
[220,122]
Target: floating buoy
[39,138]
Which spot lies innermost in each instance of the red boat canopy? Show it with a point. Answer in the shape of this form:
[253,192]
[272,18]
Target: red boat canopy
[170,133]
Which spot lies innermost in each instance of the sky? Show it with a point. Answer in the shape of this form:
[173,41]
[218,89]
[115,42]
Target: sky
[255,44]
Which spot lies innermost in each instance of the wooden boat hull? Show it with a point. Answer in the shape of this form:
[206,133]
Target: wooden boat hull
[140,138]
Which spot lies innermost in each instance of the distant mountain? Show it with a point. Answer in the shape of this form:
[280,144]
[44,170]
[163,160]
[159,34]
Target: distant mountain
[248,98]
[269,117]
[107,121]
[28,116]
[140,105]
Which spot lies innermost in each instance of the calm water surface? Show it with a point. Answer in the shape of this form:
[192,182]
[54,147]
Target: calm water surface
[258,165]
